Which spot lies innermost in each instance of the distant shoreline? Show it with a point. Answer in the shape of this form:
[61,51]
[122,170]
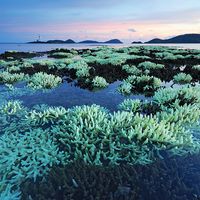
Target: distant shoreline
[180,39]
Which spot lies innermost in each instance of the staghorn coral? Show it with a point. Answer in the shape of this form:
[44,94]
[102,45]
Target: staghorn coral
[131,105]
[184,115]
[142,83]
[182,78]
[61,55]
[173,97]
[131,69]
[147,65]
[196,67]
[27,155]
[11,107]
[49,115]
[150,129]
[125,88]
[6,77]
[43,80]
[98,137]
[81,68]
[9,194]
[87,134]
[93,135]
[99,82]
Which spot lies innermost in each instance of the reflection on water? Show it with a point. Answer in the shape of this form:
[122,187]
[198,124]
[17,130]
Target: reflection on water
[48,47]
[68,95]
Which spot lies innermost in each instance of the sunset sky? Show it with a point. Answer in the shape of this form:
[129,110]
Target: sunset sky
[128,20]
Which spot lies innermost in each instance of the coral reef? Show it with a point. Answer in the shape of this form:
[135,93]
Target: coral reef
[147,148]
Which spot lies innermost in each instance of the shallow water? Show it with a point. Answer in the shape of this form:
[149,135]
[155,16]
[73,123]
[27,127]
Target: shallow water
[69,95]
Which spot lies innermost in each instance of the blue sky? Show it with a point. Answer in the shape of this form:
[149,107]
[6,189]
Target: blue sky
[128,20]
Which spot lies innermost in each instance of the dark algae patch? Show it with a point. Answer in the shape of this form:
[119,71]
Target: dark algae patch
[100,123]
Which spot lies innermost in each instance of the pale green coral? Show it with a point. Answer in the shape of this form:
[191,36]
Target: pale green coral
[81,68]
[49,115]
[131,69]
[173,97]
[196,67]
[186,114]
[144,82]
[27,155]
[43,80]
[62,55]
[182,78]
[125,88]
[133,105]
[11,107]
[99,82]
[88,135]
[147,65]
[6,77]
[98,137]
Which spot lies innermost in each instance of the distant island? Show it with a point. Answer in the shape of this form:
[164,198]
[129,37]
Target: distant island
[114,41]
[136,42]
[186,38]
[70,41]
[88,42]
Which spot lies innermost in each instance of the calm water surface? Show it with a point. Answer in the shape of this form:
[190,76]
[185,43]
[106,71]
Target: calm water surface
[68,95]
[47,47]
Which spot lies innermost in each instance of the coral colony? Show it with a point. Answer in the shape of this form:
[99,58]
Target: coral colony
[47,149]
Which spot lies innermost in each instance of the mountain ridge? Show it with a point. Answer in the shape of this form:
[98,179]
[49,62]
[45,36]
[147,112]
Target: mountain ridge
[70,41]
[185,38]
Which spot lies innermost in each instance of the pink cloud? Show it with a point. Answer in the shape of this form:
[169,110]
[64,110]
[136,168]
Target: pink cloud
[110,29]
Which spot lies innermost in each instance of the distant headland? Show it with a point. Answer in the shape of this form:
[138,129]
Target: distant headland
[186,38]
